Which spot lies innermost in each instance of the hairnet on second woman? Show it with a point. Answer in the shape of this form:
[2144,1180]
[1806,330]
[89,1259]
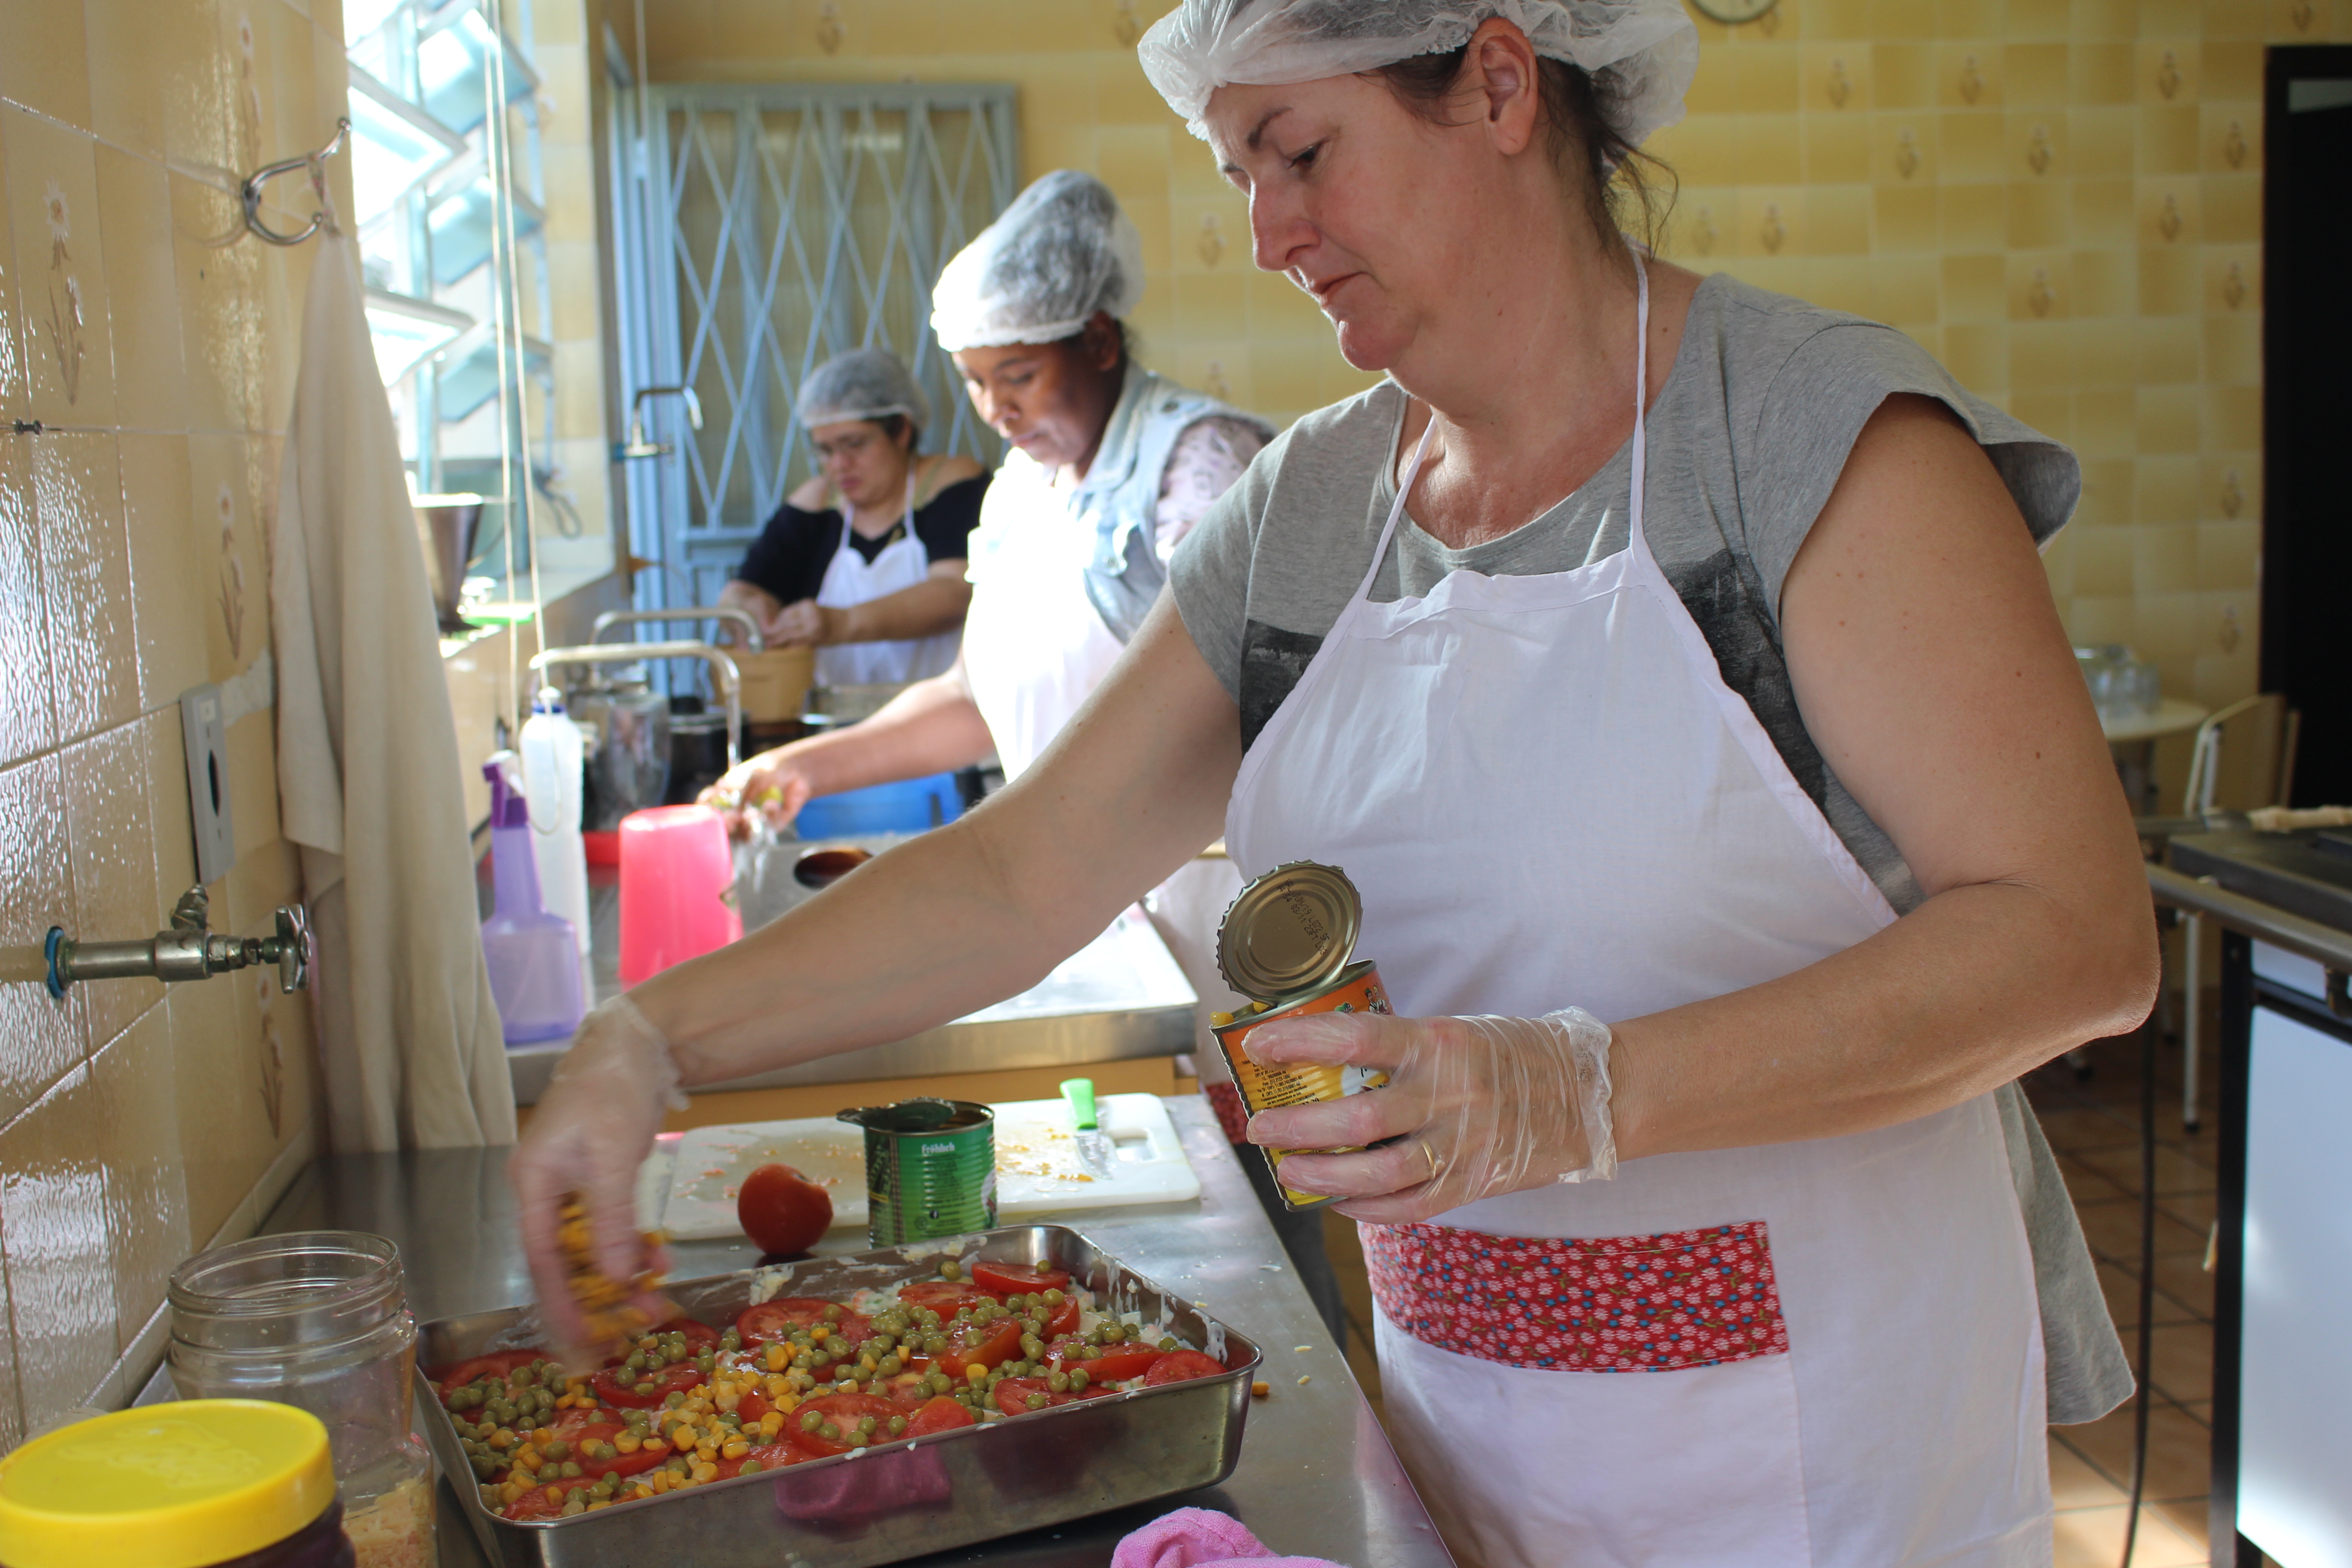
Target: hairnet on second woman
[864,384]
[1646,50]
[1060,252]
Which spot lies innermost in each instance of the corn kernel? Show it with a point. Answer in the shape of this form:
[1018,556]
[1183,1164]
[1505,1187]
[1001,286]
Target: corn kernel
[777,1385]
[706,1471]
[528,1456]
[770,1424]
[778,1358]
[735,1449]
[821,1332]
[626,1442]
[661,1482]
[555,1494]
[502,1440]
[654,1445]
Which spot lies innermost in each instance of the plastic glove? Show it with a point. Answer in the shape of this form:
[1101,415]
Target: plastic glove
[1474,1107]
[588,1135]
[769,787]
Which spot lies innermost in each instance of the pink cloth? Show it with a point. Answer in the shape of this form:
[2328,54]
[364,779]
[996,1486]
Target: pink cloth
[1200,1538]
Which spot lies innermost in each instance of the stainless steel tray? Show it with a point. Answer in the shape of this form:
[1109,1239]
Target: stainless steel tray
[900,1499]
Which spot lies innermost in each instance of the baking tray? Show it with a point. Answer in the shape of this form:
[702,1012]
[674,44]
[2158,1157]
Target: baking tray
[904,1499]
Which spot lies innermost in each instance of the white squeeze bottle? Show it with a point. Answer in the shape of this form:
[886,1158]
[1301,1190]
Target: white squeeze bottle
[552,757]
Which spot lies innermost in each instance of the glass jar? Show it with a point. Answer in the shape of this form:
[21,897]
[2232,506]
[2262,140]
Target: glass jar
[218,1483]
[319,1320]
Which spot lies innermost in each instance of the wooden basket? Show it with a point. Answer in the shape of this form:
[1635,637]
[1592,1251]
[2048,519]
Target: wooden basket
[775,683]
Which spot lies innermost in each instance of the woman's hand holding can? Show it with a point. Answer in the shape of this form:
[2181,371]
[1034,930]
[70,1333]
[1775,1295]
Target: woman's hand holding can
[1474,1107]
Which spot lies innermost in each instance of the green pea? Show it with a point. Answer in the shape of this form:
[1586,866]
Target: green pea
[705,1362]
[646,1387]
[1079,1379]
[866,1424]
[895,1425]
[1054,1297]
[1033,1401]
[751,1467]
[1058,1381]
[832,1314]
[940,1382]
[1168,1343]
[891,1366]
[571,1471]
[522,1376]
[485,1466]
[811,1420]
[558,1449]
[636,1361]
[950,1269]
[829,1432]
[672,1400]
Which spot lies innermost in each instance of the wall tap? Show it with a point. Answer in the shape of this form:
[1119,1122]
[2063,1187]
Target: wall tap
[188,951]
[638,445]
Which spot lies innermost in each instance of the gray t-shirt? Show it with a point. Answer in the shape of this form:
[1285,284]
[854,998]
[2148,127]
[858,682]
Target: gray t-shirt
[1750,431]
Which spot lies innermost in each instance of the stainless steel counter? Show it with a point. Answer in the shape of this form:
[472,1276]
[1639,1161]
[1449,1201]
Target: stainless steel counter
[1119,997]
[1317,1476]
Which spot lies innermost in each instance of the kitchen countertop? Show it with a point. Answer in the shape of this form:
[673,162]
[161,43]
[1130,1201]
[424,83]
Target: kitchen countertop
[2307,874]
[1121,996]
[1316,1474]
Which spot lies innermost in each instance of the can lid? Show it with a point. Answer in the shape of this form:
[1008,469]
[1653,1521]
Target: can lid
[168,1486]
[1290,931]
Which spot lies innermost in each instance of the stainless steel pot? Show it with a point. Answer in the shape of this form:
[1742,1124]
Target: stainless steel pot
[628,761]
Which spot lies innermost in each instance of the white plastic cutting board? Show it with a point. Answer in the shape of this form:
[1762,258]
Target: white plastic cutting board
[1037,1168]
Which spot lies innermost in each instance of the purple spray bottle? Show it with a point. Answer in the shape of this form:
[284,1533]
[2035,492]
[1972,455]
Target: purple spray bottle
[533,956]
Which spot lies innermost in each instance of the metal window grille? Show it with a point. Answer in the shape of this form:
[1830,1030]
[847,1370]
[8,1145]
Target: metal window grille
[766,230]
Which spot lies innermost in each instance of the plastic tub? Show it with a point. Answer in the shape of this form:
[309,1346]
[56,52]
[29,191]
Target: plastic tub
[675,870]
[908,806]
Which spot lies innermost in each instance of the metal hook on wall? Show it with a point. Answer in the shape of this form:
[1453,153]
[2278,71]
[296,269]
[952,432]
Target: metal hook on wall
[315,163]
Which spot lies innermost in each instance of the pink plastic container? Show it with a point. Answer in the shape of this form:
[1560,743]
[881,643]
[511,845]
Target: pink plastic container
[675,871]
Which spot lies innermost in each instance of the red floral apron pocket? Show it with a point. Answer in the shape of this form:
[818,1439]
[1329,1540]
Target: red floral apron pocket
[1619,1303]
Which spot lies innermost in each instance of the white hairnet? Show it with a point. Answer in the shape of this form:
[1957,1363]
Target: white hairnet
[1642,53]
[864,384]
[1062,251]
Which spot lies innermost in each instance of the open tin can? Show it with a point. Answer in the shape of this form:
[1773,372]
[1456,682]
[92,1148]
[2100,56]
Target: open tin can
[930,1168]
[1289,942]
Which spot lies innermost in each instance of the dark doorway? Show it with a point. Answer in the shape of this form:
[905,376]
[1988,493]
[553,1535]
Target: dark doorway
[2307,407]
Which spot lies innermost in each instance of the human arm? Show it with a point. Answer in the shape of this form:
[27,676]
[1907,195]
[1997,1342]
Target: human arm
[762,606]
[932,727]
[1208,456]
[935,605]
[1129,790]
[1934,678]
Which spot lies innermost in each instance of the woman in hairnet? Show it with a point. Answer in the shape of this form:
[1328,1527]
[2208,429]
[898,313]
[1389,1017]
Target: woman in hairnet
[866,561]
[1110,466]
[1670,664]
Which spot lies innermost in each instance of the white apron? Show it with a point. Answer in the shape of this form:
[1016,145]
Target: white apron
[1035,647]
[851,579]
[1549,797]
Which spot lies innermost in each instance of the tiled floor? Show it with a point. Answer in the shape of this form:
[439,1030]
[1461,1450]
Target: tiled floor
[2093,1125]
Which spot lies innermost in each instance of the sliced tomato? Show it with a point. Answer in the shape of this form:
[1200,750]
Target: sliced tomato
[1012,1395]
[699,1337]
[844,1411]
[619,1464]
[945,1295]
[771,1456]
[753,1406]
[498,1363]
[1116,1364]
[613,1386]
[536,1504]
[1065,1319]
[572,1424]
[1181,1367]
[909,1391]
[771,1321]
[980,1344]
[939,1414]
[1009,1278]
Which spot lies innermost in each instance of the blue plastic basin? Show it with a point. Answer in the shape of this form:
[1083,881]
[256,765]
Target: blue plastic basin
[909,806]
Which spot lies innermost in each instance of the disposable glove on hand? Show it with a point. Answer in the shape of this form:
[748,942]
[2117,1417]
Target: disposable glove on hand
[1474,1107]
[588,1134]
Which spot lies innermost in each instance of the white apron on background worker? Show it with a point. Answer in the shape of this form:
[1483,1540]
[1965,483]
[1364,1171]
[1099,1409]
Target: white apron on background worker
[851,579]
[1741,1358]
[1047,566]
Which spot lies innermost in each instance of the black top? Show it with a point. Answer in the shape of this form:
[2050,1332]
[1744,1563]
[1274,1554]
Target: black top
[791,554]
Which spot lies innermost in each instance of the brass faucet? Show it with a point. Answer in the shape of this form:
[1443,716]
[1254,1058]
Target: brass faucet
[188,951]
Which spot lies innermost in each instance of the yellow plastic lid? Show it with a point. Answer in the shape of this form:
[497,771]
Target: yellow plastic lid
[180,1485]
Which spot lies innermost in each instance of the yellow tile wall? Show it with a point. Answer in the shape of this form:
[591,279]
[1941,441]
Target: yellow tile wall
[156,348]
[2060,199]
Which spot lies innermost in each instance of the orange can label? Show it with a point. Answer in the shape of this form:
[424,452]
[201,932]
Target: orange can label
[1357,990]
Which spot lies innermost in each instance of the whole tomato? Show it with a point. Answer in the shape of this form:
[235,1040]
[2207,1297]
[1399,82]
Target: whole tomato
[781,1210]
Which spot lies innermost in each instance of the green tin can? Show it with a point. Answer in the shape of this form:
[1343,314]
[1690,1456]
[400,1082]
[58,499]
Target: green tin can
[930,1168]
